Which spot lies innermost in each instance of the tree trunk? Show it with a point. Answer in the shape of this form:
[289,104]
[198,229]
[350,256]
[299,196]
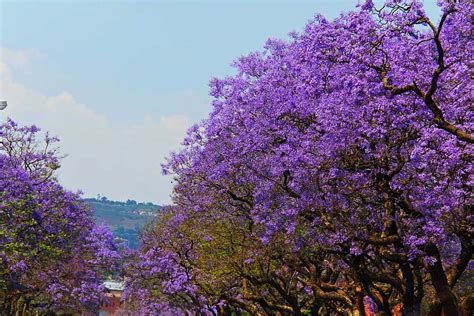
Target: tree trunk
[25,308]
[409,295]
[359,308]
[449,301]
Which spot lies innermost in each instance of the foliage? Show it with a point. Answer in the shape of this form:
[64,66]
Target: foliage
[125,219]
[53,256]
[333,175]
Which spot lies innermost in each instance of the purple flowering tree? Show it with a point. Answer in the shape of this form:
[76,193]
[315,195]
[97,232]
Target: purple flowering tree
[220,268]
[53,257]
[159,276]
[347,152]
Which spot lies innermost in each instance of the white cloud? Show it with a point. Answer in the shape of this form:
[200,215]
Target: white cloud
[19,59]
[119,162]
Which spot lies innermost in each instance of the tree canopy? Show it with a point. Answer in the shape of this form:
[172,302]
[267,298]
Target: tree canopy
[53,258]
[333,175]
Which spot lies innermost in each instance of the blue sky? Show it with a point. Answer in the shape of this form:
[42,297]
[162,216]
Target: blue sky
[135,67]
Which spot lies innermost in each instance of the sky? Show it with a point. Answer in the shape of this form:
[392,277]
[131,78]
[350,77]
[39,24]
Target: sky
[120,82]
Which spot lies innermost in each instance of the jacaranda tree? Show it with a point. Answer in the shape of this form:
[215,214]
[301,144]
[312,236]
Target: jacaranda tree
[53,258]
[343,159]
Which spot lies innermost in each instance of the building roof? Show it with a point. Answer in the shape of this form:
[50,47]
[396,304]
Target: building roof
[114,285]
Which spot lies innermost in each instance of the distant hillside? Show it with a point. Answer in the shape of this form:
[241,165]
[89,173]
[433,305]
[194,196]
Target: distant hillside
[125,219]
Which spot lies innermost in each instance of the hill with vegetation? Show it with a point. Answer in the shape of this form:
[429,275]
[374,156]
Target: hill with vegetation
[125,219]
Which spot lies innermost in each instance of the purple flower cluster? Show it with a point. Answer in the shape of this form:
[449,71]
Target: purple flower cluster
[53,257]
[334,169]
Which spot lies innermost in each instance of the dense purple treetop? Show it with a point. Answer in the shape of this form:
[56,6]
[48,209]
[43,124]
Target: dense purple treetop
[352,145]
[53,256]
